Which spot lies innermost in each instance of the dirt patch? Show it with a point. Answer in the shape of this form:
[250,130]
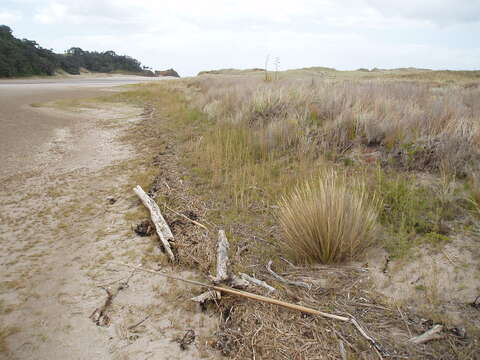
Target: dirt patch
[440,282]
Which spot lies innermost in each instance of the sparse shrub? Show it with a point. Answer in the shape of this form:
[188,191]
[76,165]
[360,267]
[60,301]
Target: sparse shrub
[328,219]
[407,205]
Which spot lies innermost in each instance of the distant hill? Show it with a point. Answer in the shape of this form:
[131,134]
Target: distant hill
[23,57]
[230,71]
[169,72]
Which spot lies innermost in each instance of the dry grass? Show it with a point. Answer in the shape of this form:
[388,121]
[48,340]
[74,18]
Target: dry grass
[328,219]
[416,125]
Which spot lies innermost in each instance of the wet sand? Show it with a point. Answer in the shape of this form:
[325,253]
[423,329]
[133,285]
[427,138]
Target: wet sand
[23,128]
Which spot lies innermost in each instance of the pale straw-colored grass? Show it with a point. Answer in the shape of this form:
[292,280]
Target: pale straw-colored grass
[328,219]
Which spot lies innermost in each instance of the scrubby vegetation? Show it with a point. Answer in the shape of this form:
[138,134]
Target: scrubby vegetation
[230,148]
[26,57]
[269,136]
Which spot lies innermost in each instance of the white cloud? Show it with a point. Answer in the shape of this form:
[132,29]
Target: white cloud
[53,13]
[194,35]
[9,17]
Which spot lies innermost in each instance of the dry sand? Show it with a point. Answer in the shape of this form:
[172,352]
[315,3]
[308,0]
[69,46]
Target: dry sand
[61,234]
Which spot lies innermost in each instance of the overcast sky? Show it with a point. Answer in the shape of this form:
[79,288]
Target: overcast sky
[191,36]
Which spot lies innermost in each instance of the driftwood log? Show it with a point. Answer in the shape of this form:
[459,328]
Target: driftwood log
[163,230]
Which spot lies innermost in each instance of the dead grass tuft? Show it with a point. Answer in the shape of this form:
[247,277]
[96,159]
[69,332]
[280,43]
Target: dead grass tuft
[328,219]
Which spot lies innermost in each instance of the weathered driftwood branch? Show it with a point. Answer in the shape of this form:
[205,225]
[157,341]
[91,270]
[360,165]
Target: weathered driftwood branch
[432,334]
[222,270]
[286,281]
[237,282]
[207,295]
[163,230]
[222,258]
[257,282]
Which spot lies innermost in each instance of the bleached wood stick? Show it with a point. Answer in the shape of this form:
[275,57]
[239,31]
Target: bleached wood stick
[222,258]
[207,295]
[237,282]
[257,282]
[343,353]
[222,269]
[163,231]
[282,279]
[432,334]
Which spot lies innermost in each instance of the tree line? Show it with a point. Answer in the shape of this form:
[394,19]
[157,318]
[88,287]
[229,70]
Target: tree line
[23,57]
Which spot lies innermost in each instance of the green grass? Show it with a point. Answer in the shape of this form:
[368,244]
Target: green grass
[412,212]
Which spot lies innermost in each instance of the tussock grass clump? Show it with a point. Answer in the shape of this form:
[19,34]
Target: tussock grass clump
[328,219]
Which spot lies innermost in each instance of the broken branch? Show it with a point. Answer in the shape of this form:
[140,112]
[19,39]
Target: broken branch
[257,282]
[286,281]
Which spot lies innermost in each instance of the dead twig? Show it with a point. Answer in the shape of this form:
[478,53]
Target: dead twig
[186,217]
[99,315]
[288,262]
[448,258]
[131,327]
[376,346]
[404,321]
[187,339]
[286,281]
